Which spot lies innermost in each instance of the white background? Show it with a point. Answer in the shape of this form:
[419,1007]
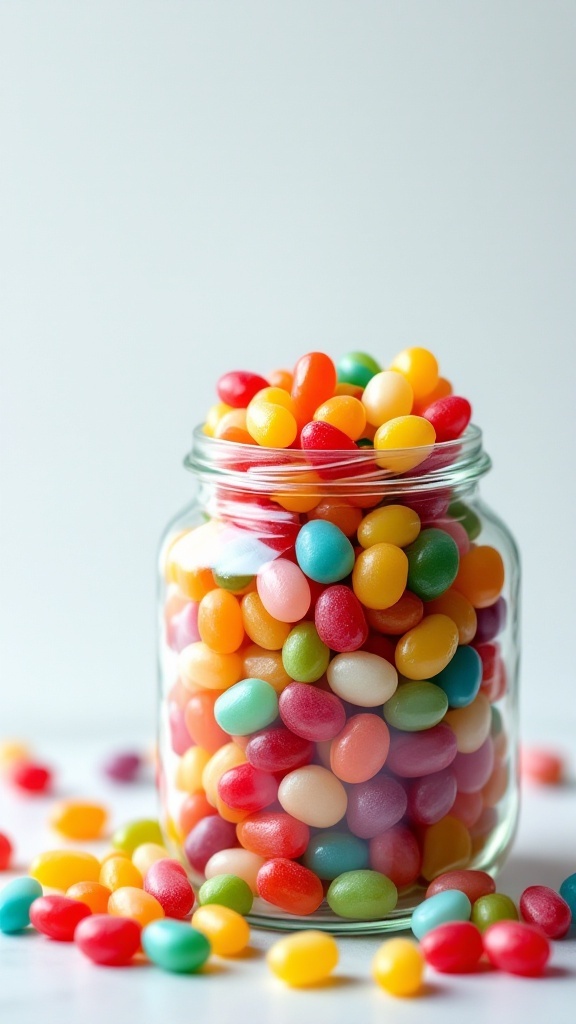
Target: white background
[188,187]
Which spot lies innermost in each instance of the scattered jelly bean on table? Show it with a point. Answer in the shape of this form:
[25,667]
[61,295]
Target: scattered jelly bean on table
[454,947]
[542,906]
[57,916]
[123,766]
[446,906]
[16,898]
[398,967]
[226,930]
[136,904]
[568,893]
[167,881]
[59,869]
[79,819]
[517,948]
[6,851]
[131,835]
[117,872]
[93,894]
[175,946]
[304,958]
[227,891]
[542,766]
[145,855]
[109,941]
[492,907]
[30,776]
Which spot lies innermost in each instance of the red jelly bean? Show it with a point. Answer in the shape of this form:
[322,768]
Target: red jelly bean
[543,766]
[431,797]
[314,382]
[400,617]
[5,852]
[238,387]
[57,916]
[311,713]
[208,837]
[290,886]
[278,750]
[453,948]
[108,940]
[517,948]
[167,881]
[490,621]
[320,436]
[469,881]
[493,671]
[123,767]
[273,834]
[449,416]
[380,645]
[31,777]
[340,620]
[422,753]
[245,788]
[374,806]
[432,505]
[545,908]
[396,854]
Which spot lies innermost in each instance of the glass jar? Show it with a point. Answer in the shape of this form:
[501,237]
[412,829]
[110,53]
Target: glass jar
[338,674]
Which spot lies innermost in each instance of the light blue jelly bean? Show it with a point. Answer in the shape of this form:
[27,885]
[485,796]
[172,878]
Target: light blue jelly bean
[450,905]
[332,854]
[16,899]
[175,946]
[568,893]
[461,678]
[246,707]
[323,552]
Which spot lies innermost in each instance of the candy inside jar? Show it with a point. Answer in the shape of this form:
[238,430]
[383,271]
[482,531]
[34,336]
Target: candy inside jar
[338,646]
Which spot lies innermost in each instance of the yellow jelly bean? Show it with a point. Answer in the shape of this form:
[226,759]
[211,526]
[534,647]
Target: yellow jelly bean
[220,621]
[190,768]
[392,524]
[200,666]
[427,648]
[267,665]
[404,432]
[293,501]
[232,427]
[228,756]
[379,575]
[420,367]
[226,929]
[135,903]
[215,414]
[481,575]
[458,608]
[387,395]
[447,846]
[79,819]
[59,869]
[276,396]
[147,854]
[118,872]
[470,724]
[344,412]
[398,967]
[271,425]
[304,958]
[262,628]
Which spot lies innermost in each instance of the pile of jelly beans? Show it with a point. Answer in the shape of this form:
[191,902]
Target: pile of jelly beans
[332,664]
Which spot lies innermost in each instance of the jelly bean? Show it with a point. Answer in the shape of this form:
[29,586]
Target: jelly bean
[449,416]
[238,387]
[447,846]
[226,930]
[236,584]
[30,776]
[340,513]
[542,906]
[201,666]
[214,415]
[57,916]
[118,872]
[246,707]
[401,433]
[319,435]
[278,750]
[416,706]
[304,655]
[452,948]
[340,619]
[432,563]
[247,788]
[413,754]
[568,893]
[330,854]
[392,524]
[267,665]
[396,854]
[375,806]
[180,739]
[345,413]
[472,771]
[431,797]
[386,396]
[313,795]
[357,368]
[281,379]
[517,948]
[442,390]
[472,882]
[323,552]
[283,590]
[166,880]
[400,617]
[362,895]
[93,894]
[491,621]
[208,836]
[471,725]
[132,902]
[220,622]
[201,723]
[175,946]
[123,767]
[446,906]
[106,940]
[278,396]
[190,769]
[221,761]
[420,367]
[227,891]
[494,679]
[304,958]
[398,967]
[262,628]
[542,766]
[382,646]
[290,886]
[461,679]
[77,819]
[465,515]
[314,382]
[271,425]
[194,807]
[468,808]
[182,628]
[453,529]
[5,852]
[481,576]
[379,575]
[16,898]
[59,869]
[235,861]
[492,907]
[13,751]
[458,608]
[273,834]
[362,678]
[360,750]
[425,650]
[232,427]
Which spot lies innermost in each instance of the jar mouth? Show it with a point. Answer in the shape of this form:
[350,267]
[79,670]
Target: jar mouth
[259,470]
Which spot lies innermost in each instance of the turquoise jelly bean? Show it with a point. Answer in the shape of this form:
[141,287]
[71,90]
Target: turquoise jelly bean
[323,552]
[356,368]
[362,895]
[461,678]
[304,655]
[449,905]
[16,898]
[415,706]
[333,854]
[227,891]
[175,946]
[433,562]
[247,706]
[568,893]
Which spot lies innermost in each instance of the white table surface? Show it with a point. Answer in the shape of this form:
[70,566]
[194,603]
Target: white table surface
[44,981]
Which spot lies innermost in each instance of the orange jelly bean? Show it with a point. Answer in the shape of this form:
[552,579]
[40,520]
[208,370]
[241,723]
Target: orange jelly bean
[201,723]
[93,894]
[481,576]
[458,608]
[447,846]
[135,903]
[267,665]
[338,511]
[220,621]
[314,383]
[201,666]
[262,628]
[344,412]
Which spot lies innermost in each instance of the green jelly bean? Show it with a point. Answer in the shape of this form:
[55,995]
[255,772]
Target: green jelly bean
[175,946]
[233,583]
[246,707]
[304,656]
[415,706]
[497,724]
[362,895]
[332,854]
[466,517]
[356,368]
[227,891]
[494,907]
[433,562]
[134,833]
[365,442]
[16,898]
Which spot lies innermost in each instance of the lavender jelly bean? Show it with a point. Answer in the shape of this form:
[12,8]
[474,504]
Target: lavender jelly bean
[375,806]
[421,753]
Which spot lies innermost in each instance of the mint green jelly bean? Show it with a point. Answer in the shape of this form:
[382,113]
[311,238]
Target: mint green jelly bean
[356,368]
[495,907]
[466,517]
[246,707]
[134,833]
[304,656]
[443,907]
[362,895]
[415,706]
[433,562]
[16,898]
[227,891]
[175,946]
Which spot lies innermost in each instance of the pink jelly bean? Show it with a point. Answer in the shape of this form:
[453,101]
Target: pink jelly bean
[490,621]
[180,738]
[396,853]
[544,907]
[167,881]
[422,753]
[360,750]
[454,529]
[122,767]
[374,806]
[283,590]
[182,628]
[468,807]
[238,387]
[278,750]
[340,619]
[245,788]
[208,837]
[472,771]
[431,797]
[310,712]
